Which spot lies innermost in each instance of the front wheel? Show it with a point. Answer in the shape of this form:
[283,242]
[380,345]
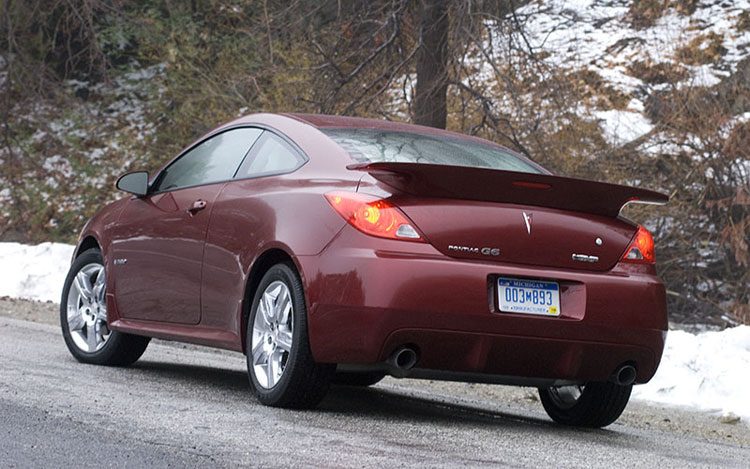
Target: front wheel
[594,405]
[279,361]
[83,317]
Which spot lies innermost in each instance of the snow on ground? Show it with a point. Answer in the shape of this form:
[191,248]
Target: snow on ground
[708,371]
[621,127]
[34,272]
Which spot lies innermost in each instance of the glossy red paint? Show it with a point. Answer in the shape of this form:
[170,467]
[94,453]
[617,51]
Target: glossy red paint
[188,273]
[367,302]
[577,195]
[163,242]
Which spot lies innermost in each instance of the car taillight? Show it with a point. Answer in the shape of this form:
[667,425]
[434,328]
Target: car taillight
[641,249]
[373,216]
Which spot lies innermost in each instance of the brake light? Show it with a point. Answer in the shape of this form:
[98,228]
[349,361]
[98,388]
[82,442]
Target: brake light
[641,249]
[373,216]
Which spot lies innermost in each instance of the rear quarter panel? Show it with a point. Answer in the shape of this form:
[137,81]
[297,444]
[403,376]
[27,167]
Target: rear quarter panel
[253,216]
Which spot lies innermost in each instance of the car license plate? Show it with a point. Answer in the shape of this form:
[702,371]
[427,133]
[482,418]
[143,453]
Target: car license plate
[528,296]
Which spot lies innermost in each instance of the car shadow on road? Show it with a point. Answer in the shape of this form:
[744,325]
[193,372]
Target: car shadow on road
[226,380]
[373,402]
[393,406]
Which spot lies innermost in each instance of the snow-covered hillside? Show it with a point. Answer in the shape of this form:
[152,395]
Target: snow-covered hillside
[707,371]
[681,44]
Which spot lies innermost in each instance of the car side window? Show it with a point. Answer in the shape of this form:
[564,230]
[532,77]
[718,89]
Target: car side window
[270,155]
[213,160]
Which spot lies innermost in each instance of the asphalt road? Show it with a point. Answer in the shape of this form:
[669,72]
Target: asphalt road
[189,406]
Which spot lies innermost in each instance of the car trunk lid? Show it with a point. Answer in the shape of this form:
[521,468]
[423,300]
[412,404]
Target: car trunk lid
[505,216]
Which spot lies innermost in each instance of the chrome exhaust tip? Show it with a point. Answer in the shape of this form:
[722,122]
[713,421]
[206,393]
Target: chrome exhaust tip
[402,360]
[624,376]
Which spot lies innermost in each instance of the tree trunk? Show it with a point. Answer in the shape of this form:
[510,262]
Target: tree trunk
[430,100]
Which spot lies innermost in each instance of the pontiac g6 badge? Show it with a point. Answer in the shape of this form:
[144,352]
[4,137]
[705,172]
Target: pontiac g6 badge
[474,250]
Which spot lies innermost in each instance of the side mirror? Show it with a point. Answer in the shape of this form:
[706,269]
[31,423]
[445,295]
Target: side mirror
[136,183]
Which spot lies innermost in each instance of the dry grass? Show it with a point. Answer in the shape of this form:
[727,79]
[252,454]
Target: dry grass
[655,73]
[704,49]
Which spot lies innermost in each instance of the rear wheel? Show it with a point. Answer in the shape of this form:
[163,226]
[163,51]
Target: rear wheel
[364,378]
[83,317]
[279,361]
[594,405]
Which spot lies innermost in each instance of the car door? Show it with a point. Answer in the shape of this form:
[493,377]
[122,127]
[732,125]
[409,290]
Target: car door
[243,220]
[157,251]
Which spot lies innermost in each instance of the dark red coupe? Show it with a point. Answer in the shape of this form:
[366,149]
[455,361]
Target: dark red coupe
[336,249]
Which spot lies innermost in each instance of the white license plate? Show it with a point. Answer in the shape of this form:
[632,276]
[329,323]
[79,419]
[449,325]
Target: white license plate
[528,296]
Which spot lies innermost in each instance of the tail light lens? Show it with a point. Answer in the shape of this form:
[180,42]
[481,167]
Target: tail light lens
[373,216]
[641,249]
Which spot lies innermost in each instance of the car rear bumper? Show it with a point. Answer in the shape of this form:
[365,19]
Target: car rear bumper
[366,302]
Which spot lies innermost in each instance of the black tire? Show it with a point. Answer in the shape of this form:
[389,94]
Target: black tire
[599,404]
[120,349]
[352,378]
[303,382]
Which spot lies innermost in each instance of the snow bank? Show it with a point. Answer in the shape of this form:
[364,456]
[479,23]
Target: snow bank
[34,272]
[709,371]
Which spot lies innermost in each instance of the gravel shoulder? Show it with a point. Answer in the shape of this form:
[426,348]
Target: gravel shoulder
[184,405]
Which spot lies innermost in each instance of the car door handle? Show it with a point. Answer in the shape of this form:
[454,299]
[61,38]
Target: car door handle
[197,206]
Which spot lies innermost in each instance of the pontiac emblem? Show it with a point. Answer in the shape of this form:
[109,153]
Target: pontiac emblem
[527,219]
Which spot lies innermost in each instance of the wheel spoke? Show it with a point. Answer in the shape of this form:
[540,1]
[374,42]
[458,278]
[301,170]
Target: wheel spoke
[269,372]
[286,317]
[75,321]
[258,353]
[267,301]
[284,340]
[83,285]
[99,286]
[260,325]
[283,306]
[91,340]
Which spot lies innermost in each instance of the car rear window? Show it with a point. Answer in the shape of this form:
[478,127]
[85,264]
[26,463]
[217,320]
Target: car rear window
[380,146]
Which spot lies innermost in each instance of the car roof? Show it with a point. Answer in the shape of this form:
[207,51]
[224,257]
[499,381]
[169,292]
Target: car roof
[325,121]
[281,121]
[297,127]
[330,121]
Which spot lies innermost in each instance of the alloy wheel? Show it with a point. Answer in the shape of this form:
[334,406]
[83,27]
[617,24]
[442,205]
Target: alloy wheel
[273,329]
[565,397]
[87,309]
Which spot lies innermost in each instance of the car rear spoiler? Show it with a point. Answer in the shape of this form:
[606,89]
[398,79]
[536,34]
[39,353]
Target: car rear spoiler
[543,190]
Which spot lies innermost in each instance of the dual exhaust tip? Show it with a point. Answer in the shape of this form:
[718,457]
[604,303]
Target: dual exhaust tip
[404,358]
[624,375]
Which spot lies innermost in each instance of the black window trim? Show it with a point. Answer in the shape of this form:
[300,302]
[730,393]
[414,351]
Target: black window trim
[265,128]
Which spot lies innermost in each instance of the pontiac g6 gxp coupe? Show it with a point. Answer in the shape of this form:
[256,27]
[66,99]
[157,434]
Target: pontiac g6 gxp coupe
[335,249]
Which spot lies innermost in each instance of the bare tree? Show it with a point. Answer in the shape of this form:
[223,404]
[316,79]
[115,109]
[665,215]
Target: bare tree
[430,99]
